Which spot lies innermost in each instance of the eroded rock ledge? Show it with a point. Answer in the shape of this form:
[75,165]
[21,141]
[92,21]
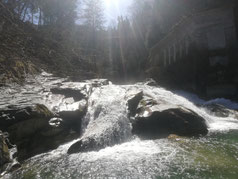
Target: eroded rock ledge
[116,113]
[96,112]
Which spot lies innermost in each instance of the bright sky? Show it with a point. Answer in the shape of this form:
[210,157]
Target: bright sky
[115,8]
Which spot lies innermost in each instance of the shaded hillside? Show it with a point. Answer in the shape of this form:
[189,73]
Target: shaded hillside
[25,49]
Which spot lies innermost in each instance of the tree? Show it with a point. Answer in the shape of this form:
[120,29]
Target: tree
[58,11]
[47,12]
[93,14]
[141,13]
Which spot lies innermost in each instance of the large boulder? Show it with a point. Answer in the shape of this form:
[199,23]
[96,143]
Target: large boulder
[155,120]
[44,142]
[13,115]
[23,123]
[58,130]
[64,127]
[35,129]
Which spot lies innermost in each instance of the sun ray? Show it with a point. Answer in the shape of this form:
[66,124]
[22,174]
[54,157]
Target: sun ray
[115,8]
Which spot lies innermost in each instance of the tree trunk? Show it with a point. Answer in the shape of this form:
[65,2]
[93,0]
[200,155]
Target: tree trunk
[40,17]
[24,15]
[21,10]
[32,17]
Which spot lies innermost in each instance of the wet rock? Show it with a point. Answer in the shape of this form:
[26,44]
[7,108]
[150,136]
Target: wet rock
[133,102]
[98,82]
[151,82]
[77,94]
[55,127]
[13,150]
[35,130]
[10,167]
[73,115]
[8,158]
[27,128]
[155,120]
[48,134]
[14,166]
[55,122]
[79,91]
[72,119]
[174,137]
[220,110]
[56,132]
[34,120]
[12,116]
[41,143]
[81,146]
[4,151]
[43,139]
[88,144]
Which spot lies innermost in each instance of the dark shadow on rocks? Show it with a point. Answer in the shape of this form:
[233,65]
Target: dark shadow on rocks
[11,116]
[153,119]
[133,102]
[76,94]
[179,121]
[35,129]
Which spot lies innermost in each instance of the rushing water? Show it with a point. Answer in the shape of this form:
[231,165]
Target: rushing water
[212,156]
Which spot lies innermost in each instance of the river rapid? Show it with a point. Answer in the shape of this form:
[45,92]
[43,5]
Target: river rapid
[212,156]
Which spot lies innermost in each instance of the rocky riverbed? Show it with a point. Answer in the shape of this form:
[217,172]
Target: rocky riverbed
[94,117]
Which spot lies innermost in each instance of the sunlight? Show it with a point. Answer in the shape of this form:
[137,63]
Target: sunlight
[115,8]
[107,3]
[113,3]
[111,8]
[118,89]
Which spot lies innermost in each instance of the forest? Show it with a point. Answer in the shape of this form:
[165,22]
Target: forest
[73,35]
[150,91]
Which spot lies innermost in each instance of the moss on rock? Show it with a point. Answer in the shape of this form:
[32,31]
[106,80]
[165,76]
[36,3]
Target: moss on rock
[43,110]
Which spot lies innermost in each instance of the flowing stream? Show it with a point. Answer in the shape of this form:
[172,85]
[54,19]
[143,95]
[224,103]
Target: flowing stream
[212,156]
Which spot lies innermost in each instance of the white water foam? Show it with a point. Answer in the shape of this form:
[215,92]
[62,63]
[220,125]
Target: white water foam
[192,101]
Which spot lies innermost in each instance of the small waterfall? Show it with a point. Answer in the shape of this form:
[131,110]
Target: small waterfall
[106,122]
[107,127]
[198,105]
[215,122]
